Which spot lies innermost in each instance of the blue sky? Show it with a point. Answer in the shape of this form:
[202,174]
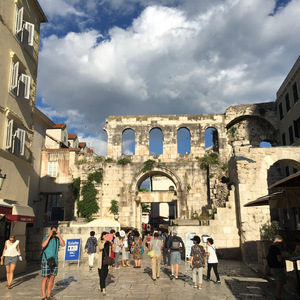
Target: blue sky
[100,58]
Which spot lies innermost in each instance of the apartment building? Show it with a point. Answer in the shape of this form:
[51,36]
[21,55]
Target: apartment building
[19,47]
[288,106]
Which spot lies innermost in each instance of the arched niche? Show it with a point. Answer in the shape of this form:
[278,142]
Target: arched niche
[265,144]
[128,142]
[183,141]
[155,141]
[211,138]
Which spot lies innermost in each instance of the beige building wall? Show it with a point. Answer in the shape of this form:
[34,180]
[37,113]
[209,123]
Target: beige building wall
[18,63]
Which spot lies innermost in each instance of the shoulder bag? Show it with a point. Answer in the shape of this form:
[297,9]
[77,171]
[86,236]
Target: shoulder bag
[107,260]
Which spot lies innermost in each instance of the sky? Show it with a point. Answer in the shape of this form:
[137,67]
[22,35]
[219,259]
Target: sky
[101,58]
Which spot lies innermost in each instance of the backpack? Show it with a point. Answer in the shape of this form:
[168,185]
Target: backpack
[175,243]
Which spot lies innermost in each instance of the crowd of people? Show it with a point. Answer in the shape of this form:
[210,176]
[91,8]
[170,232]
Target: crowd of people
[165,249]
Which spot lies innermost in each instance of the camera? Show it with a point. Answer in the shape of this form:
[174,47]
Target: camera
[54,232]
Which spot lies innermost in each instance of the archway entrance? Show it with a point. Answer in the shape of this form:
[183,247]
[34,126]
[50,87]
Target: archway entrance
[156,199]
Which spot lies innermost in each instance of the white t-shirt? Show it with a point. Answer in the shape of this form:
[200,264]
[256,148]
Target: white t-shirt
[212,259]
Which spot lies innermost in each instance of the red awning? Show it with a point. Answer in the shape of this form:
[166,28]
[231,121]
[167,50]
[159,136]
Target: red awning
[18,218]
[21,213]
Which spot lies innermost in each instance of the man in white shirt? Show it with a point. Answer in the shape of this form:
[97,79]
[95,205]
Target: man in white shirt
[212,261]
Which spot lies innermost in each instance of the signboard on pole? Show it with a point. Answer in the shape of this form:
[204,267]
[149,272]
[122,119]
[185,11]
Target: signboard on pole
[188,244]
[72,252]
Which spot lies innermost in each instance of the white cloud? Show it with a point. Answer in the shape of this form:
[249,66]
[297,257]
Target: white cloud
[170,61]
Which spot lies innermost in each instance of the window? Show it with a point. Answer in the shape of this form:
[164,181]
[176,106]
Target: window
[19,83]
[295,92]
[183,141]
[291,135]
[128,142]
[297,128]
[54,209]
[283,139]
[52,168]
[156,141]
[280,111]
[15,139]
[287,102]
[24,31]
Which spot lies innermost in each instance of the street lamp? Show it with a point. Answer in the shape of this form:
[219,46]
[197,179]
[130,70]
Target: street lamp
[2,177]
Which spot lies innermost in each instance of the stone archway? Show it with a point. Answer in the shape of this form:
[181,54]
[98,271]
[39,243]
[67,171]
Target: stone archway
[167,196]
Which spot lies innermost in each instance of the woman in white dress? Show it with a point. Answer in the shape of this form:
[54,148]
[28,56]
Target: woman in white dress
[11,254]
[125,249]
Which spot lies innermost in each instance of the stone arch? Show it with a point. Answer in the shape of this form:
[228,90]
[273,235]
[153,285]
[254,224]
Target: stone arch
[251,130]
[156,141]
[183,140]
[136,182]
[128,141]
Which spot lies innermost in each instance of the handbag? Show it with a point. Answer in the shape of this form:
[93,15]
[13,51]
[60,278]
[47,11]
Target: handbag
[151,253]
[107,260]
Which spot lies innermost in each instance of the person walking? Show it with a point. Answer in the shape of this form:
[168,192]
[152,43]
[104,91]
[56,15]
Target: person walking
[166,254]
[91,248]
[212,261]
[103,249]
[117,249]
[10,255]
[136,249]
[197,261]
[276,263]
[125,249]
[50,247]
[156,245]
[175,247]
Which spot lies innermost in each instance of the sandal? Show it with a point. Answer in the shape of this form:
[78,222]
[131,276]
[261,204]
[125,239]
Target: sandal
[51,298]
[45,298]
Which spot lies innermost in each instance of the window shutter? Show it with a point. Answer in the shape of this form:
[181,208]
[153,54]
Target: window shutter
[24,86]
[14,75]
[19,19]
[9,134]
[20,136]
[29,27]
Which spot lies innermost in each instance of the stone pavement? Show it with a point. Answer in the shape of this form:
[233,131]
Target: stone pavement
[72,282]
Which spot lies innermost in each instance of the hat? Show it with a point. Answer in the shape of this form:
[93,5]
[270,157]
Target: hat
[175,231]
[122,233]
[196,239]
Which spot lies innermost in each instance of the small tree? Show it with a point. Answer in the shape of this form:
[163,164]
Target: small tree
[88,205]
[269,230]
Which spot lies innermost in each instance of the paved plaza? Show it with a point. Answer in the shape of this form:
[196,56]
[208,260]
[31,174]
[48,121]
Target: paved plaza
[238,282]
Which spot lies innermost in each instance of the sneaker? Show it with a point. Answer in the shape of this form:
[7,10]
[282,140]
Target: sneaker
[172,276]
[218,282]
[200,287]
[104,293]
[195,285]
[207,279]
[176,277]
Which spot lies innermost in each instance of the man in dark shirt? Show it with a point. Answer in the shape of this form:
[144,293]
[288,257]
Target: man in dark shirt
[276,263]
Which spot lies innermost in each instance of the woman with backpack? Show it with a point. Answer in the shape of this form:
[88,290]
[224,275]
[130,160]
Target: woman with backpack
[212,261]
[197,261]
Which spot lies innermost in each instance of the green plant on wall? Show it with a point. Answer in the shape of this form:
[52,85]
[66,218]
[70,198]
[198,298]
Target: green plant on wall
[88,205]
[124,161]
[114,207]
[188,187]
[269,230]
[205,162]
[232,130]
[148,165]
[96,176]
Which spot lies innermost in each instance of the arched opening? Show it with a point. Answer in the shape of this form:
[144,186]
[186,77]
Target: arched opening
[183,141]
[265,144]
[156,141]
[211,139]
[128,142]
[158,193]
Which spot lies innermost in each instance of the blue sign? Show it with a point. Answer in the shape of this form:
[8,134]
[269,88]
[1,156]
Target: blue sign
[72,249]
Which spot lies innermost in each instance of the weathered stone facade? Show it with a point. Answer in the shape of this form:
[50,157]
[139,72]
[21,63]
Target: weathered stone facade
[240,130]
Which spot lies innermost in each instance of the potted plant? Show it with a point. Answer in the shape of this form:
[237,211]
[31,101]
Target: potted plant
[114,209]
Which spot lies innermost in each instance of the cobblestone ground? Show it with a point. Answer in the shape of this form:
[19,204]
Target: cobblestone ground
[72,282]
